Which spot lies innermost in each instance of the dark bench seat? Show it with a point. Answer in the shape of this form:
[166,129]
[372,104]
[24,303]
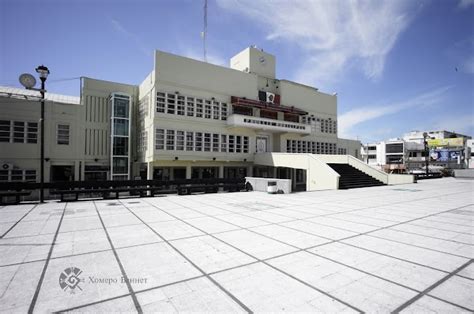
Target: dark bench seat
[16,194]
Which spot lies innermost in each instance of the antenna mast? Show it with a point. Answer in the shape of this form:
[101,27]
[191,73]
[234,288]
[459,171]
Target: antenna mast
[204,32]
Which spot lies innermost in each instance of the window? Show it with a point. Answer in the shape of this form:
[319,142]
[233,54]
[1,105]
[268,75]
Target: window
[268,114]
[223,143]
[223,111]
[215,110]
[199,108]
[32,132]
[120,165]
[238,146]
[180,108]
[17,175]
[4,131]
[394,148]
[198,141]
[179,140]
[290,117]
[207,142]
[142,141]
[121,127]
[189,141]
[120,147]
[207,110]
[4,175]
[160,102]
[160,139]
[246,144]
[169,139]
[63,134]
[215,142]
[190,106]
[231,143]
[121,106]
[243,110]
[18,132]
[171,103]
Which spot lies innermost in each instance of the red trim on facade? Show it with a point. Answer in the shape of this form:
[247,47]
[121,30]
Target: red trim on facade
[239,101]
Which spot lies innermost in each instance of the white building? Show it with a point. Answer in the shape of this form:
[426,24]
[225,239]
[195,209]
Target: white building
[187,119]
[446,150]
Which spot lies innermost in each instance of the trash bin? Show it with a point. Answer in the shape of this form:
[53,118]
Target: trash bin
[272,187]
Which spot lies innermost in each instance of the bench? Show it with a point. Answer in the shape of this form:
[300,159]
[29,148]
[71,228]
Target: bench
[16,194]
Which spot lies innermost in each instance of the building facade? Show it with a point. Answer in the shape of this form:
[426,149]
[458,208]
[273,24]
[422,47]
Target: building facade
[187,119]
[446,150]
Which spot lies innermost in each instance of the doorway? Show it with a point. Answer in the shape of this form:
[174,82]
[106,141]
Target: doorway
[262,144]
[62,173]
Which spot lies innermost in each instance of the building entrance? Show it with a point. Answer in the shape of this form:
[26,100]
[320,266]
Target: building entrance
[62,173]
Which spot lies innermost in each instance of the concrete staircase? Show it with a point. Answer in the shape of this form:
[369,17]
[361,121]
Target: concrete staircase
[353,178]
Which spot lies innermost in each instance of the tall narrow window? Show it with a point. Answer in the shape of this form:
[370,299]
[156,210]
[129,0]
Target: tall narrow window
[62,134]
[160,139]
[5,130]
[180,107]
[215,110]
[199,108]
[18,132]
[171,103]
[179,140]
[207,110]
[223,111]
[238,146]
[246,144]
[198,142]
[190,106]
[189,141]
[120,132]
[207,142]
[169,139]
[215,142]
[231,143]
[160,102]
[223,143]
[32,132]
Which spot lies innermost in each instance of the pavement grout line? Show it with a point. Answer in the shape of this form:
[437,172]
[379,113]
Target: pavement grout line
[339,240]
[16,223]
[122,270]
[269,265]
[45,267]
[228,293]
[433,286]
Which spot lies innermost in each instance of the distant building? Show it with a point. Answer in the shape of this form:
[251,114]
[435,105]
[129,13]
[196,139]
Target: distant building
[406,154]
[187,119]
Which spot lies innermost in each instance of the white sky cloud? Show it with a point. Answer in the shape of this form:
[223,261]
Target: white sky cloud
[464,4]
[335,34]
[120,29]
[348,120]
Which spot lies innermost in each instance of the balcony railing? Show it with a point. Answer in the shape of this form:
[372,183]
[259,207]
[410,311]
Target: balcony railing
[236,120]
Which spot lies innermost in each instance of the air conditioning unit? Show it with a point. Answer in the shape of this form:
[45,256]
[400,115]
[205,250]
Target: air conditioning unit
[6,166]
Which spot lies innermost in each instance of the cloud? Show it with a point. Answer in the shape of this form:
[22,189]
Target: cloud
[120,29]
[334,34]
[348,120]
[464,4]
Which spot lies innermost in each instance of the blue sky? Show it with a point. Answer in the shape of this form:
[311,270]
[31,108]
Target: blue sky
[397,65]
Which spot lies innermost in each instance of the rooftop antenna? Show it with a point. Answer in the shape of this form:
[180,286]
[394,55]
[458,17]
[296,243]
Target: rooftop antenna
[204,32]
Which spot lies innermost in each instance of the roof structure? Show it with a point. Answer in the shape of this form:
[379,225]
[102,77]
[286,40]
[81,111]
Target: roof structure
[20,93]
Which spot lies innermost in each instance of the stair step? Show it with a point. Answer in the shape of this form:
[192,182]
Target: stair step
[351,177]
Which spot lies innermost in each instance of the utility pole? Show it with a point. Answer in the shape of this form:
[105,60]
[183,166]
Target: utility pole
[204,32]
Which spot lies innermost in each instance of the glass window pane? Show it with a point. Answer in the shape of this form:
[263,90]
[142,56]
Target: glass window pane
[121,146]
[121,107]
[120,165]
[121,127]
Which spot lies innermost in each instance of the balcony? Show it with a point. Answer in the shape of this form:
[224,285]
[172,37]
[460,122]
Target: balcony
[270,125]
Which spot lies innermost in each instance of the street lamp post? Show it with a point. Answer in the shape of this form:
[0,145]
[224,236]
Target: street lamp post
[43,74]
[29,81]
[427,152]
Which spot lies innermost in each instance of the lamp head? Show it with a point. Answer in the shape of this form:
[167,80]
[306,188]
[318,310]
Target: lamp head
[43,72]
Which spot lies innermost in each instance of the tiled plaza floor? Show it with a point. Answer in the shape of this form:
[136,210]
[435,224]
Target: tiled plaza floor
[405,248]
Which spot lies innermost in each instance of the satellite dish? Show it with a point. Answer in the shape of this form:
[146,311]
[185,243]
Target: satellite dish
[27,80]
